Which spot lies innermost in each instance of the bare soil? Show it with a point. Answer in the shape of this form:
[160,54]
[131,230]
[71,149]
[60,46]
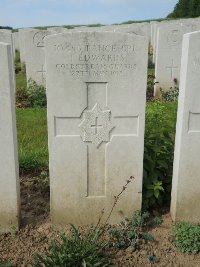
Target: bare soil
[36,232]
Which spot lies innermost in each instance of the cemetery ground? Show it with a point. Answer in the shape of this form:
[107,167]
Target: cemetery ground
[17,248]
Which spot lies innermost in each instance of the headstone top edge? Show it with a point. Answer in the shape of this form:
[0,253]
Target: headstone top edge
[92,33]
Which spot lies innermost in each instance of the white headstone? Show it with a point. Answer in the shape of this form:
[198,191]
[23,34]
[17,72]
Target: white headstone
[9,177]
[155,29]
[142,29]
[168,59]
[6,37]
[34,55]
[16,40]
[58,29]
[186,173]
[96,86]
[22,43]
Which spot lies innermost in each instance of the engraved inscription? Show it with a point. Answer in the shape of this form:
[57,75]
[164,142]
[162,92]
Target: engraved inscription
[95,59]
[96,125]
[38,38]
[95,69]
[95,48]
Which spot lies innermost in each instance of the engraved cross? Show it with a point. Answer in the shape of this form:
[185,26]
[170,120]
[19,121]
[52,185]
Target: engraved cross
[96,126]
[42,71]
[172,68]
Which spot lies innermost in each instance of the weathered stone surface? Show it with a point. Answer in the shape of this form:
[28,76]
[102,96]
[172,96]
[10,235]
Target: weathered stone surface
[168,52]
[168,59]
[34,55]
[9,177]
[186,172]
[57,29]
[22,43]
[6,37]
[142,29]
[96,87]
[15,36]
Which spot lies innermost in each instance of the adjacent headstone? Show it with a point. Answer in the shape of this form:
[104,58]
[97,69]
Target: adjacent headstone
[15,36]
[6,37]
[186,172]
[155,29]
[9,177]
[22,43]
[34,55]
[96,87]
[142,29]
[58,29]
[168,59]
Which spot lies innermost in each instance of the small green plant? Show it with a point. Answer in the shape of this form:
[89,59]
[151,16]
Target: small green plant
[5,264]
[186,237]
[75,249]
[44,182]
[130,231]
[36,95]
[13,230]
[158,153]
[170,95]
[32,96]
[80,248]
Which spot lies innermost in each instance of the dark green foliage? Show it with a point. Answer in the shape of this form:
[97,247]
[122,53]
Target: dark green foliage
[186,237]
[36,95]
[5,264]
[150,85]
[170,95]
[75,249]
[6,27]
[186,9]
[153,258]
[131,231]
[158,153]
[33,96]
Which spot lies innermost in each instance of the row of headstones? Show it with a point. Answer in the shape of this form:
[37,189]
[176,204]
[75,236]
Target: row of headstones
[165,38]
[31,44]
[96,88]
[167,43]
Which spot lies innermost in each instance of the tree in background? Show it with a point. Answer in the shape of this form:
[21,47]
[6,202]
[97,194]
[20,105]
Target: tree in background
[5,27]
[186,9]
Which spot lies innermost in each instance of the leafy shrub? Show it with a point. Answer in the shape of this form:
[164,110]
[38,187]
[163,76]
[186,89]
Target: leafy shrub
[131,231]
[150,87]
[34,96]
[75,249]
[186,237]
[170,95]
[158,153]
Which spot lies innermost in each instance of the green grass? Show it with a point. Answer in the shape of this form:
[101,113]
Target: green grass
[32,138]
[21,81]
